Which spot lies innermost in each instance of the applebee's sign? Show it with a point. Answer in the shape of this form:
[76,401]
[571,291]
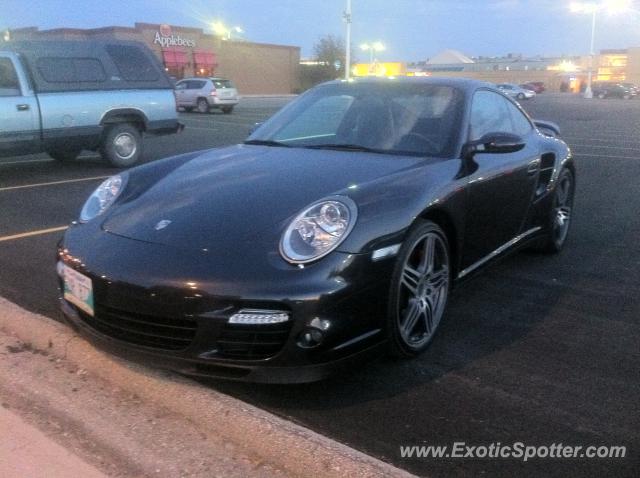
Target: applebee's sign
[166,38]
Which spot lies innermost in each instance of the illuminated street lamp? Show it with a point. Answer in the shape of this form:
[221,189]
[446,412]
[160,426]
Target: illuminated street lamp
[610,6]
[372,47]
[221,29]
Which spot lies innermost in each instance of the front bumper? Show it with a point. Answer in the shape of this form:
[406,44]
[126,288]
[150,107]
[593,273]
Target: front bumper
[153,305]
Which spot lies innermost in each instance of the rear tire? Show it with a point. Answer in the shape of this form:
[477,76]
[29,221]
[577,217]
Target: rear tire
[560,214]
[227,110]
[122,145]
[520,96]
[64,155]
[202,105]
[419,290]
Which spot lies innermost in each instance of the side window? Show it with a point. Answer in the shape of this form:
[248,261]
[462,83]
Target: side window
[181,86]
[9,84]
[521,124]
[132,63]
[489,114]
[71,70]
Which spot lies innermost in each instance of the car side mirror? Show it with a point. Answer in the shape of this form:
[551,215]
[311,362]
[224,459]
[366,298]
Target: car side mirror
[494,143]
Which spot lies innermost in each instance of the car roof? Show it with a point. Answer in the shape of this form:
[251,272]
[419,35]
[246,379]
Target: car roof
[465,84]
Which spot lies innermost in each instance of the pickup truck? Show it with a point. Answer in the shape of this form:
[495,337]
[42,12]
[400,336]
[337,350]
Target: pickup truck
[61,97]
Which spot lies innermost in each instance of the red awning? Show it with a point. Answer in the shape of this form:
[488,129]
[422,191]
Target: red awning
[204,59]
[174,58]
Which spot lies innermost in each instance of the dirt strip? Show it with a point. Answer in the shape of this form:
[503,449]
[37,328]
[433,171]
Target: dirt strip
[130,420]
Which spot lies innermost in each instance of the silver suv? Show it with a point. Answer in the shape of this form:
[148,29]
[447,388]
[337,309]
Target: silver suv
[206,93]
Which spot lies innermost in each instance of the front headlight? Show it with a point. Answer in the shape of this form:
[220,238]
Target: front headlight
[318,229]
[103,197]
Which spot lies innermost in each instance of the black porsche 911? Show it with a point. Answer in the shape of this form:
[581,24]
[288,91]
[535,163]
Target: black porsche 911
[335,232]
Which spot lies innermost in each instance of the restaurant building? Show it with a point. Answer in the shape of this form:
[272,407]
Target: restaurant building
[256,68]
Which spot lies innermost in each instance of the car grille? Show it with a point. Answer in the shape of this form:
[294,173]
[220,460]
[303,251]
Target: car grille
[142,329]
[252,342]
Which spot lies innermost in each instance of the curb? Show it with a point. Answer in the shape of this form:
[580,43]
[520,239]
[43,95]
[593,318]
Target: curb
[285,445]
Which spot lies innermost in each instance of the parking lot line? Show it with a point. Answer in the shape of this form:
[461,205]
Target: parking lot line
[43,160]
[603,155]
[33,233]
[52,183]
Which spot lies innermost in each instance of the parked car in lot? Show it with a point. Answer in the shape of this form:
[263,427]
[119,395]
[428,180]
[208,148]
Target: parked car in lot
[536,86]
[61,97]
[633,88]
[515,91]
[336,231]
[605,89]
[206,93]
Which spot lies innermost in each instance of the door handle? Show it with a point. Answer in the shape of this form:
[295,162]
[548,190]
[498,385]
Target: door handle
[22,107]
[533,167]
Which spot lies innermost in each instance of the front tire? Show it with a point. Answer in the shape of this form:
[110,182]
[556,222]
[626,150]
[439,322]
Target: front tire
[560,214]
[122,145]
[419,290]
[520,96]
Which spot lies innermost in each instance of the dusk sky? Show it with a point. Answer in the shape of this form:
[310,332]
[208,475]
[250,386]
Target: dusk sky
[411,29]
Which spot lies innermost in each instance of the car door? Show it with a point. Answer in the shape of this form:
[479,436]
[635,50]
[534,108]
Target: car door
[501,188]
[19,119]
[193,91]
[181,93]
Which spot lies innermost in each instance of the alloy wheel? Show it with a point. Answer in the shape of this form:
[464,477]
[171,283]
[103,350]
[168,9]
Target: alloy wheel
[423,290]
[562,210]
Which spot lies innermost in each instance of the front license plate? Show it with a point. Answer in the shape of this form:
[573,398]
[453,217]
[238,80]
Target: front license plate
[78,289]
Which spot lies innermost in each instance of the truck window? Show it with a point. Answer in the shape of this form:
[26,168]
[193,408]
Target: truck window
[71,70]
[9,84]
[132,63]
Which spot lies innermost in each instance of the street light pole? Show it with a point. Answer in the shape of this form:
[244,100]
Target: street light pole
[588,92]
[347,61]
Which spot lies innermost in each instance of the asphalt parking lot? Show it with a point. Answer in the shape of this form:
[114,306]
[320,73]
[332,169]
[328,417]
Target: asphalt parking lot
[538,349]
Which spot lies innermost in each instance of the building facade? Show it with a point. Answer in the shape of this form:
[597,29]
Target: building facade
[256,68]
[558,74]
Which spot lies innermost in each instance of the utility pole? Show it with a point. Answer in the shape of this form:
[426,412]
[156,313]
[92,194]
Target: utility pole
[347,19]
[588,92]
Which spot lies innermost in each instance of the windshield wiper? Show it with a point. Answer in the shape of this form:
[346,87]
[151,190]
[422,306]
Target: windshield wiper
[343,147]
[267,142]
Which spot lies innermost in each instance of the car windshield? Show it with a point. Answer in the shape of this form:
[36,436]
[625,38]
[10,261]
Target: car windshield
[392,118]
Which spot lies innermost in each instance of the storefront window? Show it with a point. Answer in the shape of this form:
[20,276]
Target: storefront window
[204,63]
[175,61]
[204,72]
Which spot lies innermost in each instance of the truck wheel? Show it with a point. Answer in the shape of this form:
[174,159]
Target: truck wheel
[122,145]
[64,154]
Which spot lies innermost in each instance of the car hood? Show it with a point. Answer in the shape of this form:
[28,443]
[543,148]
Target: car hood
[225,197]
